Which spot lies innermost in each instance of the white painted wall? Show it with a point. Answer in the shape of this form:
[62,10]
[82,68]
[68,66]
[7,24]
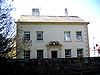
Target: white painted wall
[56,33]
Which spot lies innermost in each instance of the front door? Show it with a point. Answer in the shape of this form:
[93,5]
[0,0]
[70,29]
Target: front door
[54,54]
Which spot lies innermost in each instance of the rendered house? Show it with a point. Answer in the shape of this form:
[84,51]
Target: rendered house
[54,36]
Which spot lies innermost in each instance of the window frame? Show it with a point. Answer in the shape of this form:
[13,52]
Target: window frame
[26,54]
[39,55]
[80,53]
[67,53]
[39,35]
[79,36]
[26,36]
[67,35]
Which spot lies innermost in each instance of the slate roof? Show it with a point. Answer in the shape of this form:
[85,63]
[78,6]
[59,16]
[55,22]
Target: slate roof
[29,18]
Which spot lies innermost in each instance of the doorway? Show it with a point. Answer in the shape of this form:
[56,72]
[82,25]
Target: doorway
[54,54]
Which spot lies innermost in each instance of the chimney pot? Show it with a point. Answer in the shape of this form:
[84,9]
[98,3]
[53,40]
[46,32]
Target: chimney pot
[35,12]
[66,12]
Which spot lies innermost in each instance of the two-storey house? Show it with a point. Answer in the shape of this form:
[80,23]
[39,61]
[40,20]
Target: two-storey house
[54,36]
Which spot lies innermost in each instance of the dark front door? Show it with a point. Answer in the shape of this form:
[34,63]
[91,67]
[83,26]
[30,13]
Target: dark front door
[54,54]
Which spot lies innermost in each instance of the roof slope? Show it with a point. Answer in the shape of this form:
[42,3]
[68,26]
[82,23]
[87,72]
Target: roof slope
[29,18]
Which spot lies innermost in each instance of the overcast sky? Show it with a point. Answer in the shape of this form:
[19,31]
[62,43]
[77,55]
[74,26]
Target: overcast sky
[89,10]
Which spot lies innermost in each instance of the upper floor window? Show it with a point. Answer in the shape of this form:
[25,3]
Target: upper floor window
[67,36]
[39,53]
[39,35]
[26,35]
[79,35]
[79,52]
[26,54]
[67,53]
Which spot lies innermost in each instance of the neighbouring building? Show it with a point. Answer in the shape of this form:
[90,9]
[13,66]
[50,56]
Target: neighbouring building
[54,36]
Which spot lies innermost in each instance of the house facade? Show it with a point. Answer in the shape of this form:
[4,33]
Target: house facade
[54,36]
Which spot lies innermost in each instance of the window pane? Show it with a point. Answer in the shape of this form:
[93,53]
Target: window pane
[39,53]
[79,35]
[26,54]
[67,36]
[26,35]
[39,35]
[79,52]
[67,53]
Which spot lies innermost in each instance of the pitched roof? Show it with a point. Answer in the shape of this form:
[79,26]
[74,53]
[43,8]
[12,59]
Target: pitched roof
[29,18]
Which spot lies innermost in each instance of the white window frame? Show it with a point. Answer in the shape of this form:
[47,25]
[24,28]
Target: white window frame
[39,55]
[26,54]
[80,52]
[79,35]
[27,35]
[39,33]
[67,36]
[67,53]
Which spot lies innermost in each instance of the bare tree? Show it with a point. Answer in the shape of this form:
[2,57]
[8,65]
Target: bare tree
[21,43]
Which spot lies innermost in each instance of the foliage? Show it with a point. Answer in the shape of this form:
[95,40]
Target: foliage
[7,27]
[6,46]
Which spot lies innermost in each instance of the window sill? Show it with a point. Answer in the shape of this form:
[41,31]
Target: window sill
[39,41]
[79,40]
[66,56]
[67,41]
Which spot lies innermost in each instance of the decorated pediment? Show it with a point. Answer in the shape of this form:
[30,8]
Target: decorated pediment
[54,43]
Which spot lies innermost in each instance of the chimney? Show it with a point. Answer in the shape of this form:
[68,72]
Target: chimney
[35,12]
[66,12]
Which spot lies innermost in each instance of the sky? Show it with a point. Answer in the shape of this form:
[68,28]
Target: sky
[89,10]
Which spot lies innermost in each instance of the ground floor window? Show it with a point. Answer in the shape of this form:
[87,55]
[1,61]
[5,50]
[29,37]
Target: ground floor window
[27,54]
[67,53]
[39,53]
[80,52]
